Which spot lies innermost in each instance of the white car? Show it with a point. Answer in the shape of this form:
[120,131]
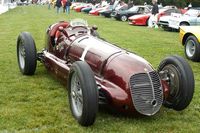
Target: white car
[164,22]
[191,17]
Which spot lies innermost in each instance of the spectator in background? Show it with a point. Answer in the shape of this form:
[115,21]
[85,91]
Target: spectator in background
[93,2]
[63,4]
[68,4]
[130,4]
[58,5]
[103,3]
[154,15]
[189,6]
[112,2]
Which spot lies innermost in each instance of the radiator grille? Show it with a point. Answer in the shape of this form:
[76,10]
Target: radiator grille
[146,92]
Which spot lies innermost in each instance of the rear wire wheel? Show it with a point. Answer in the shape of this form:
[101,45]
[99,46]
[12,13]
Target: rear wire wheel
[26,53]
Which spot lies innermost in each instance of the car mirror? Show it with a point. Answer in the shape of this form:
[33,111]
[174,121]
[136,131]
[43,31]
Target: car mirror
[198,16]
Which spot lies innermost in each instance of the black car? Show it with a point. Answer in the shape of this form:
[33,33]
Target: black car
[124,14]
[108,13]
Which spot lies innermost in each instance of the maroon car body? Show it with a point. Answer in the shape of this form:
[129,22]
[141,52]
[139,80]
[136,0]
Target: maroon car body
[125,81]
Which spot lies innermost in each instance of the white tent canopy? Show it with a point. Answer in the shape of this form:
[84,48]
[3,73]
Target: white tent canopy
[5,5]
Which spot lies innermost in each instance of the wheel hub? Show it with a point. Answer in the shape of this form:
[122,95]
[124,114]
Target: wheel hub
[76,95]
[190,48]
[21,54]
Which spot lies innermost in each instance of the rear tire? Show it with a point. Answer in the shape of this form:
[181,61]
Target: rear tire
[83,93]
[192,48]
[180,81]
[26,53]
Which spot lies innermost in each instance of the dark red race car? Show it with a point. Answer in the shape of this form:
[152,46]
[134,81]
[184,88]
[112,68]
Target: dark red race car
[99,73]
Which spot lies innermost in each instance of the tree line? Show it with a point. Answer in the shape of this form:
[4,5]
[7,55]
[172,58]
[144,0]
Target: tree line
[178,3]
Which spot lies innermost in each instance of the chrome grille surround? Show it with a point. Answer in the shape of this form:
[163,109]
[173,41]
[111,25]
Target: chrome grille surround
[146,92]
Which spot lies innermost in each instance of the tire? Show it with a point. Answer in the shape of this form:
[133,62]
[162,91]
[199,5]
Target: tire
[184,24]
[83,93]
[180,81]
[166,28]
[96,34]
[147,22]
[26,54]
[192,48]
[123,18]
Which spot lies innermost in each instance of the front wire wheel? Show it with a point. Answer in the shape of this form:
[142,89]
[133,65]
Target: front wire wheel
[83,93]
[180,79]
[76,95]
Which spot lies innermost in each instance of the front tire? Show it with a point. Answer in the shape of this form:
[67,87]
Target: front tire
[123,18]
[83,93]
[192,48]
[180,80]
[26,53]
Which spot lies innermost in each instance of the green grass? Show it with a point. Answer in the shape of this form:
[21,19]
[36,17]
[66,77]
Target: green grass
[39,103]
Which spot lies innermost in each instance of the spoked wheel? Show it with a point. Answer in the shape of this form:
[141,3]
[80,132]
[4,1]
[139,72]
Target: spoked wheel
[76,95]
[179,76]
[192,48]
[123,18]
[26,53]
[83,93]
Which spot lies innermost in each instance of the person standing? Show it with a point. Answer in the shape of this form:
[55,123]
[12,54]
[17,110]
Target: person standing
[58,5]
[68,4]
[154,15]
[63,4]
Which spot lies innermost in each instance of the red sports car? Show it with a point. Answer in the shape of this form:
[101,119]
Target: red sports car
[96,10]
[78,8]
[99,73]
[142,19]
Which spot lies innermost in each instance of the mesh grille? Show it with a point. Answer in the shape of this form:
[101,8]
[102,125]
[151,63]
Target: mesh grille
[146,92]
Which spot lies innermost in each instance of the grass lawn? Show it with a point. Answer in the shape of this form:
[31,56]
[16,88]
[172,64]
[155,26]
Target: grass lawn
[39,103]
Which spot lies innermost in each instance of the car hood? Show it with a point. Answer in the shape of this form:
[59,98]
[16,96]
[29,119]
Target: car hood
[124,12]
[106,11]
[98,53]
[181,17]
[191,29]
[165,18]
[139,16]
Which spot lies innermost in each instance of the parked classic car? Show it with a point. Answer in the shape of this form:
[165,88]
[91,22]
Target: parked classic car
[107,13]
[100,73]
[97,10]
[123,15]
[142,19]
[190,38]
[80,7]
[191,17]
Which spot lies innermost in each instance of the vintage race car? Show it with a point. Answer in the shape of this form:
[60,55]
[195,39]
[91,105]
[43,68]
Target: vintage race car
[189,18]
[190,38]
[100,73]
